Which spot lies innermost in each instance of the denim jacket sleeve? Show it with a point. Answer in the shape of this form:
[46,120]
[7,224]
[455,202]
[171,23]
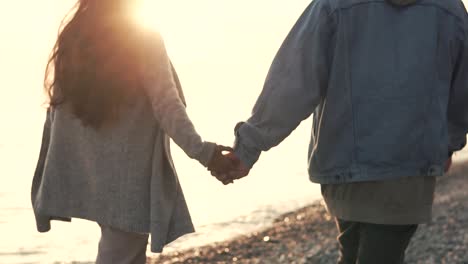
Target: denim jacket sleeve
[458,104]
[295,85]
[166,98]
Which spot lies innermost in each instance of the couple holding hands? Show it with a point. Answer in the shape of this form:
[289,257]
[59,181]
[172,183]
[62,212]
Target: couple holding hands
[229,170]
[385,81]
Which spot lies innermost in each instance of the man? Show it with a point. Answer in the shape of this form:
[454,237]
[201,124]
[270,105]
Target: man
[387,83]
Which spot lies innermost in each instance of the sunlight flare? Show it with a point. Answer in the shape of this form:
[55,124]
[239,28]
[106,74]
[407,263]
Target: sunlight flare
[148,14]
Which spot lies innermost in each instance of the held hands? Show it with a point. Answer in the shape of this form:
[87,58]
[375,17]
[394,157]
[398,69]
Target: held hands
[227,167]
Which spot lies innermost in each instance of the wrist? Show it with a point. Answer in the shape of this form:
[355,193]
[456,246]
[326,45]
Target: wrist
[207,153]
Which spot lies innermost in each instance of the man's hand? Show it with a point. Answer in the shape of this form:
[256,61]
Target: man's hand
[240,171]
[228,176]
[223,164]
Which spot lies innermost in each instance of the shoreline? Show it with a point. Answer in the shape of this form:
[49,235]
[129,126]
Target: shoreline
[308,235]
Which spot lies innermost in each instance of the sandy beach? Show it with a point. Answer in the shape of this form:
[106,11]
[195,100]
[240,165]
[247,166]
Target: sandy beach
[308,235]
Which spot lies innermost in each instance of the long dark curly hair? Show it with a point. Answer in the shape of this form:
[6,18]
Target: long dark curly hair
[95,65]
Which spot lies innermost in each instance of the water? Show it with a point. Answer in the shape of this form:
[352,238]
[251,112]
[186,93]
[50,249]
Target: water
[222,58]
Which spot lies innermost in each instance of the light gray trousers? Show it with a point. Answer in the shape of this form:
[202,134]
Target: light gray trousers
[120,247]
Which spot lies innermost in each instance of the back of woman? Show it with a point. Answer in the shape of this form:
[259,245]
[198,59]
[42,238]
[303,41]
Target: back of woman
[114,102]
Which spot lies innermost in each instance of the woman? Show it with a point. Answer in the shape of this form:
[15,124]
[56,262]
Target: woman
[114,102]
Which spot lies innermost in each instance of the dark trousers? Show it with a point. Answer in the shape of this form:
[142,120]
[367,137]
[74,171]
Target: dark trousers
[362,243]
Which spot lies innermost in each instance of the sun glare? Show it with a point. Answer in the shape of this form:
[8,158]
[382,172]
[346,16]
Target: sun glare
[147,14]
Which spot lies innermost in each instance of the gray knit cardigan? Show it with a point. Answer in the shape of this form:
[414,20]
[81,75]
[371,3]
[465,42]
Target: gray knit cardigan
[122,177]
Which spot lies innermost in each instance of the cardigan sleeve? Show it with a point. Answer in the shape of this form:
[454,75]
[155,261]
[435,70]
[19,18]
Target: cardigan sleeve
[167,103]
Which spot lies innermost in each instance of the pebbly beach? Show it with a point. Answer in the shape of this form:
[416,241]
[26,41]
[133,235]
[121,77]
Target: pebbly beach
[308,235]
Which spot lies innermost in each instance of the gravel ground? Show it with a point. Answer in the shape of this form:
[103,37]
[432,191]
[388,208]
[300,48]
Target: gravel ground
[308,235]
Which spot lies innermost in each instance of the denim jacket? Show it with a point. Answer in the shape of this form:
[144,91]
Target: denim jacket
[387,86]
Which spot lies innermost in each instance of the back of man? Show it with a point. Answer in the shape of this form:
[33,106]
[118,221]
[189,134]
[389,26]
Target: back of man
[387,83]
[402,60]
[391,72]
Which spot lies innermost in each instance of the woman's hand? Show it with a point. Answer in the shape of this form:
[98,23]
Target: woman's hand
[228,176]
[222,164]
